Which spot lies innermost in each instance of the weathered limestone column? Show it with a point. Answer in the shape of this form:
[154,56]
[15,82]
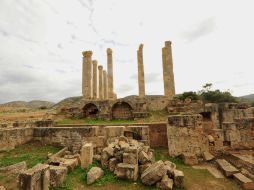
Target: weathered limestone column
[86,74]
[105,85]
[141,78]
[110,74]
[86,155]
[100,82]
[168,74]
[94,79]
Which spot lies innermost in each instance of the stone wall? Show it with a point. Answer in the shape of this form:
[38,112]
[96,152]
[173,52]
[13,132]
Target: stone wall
[12,137]
[72,136]
[185,135]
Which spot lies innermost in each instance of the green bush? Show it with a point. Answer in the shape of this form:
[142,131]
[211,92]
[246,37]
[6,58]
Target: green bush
[217,96]
[192,95]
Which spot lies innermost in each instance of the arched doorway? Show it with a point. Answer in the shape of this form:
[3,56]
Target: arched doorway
[122,110]
[90,110]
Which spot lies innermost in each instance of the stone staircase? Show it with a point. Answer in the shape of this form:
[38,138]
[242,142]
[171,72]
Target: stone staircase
[232,169]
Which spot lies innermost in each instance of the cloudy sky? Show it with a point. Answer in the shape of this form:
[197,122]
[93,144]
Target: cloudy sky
[41,43]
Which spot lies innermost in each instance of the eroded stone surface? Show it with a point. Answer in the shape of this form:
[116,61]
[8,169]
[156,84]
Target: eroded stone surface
[94,174]
[226,167]
[57,175]
[154,173]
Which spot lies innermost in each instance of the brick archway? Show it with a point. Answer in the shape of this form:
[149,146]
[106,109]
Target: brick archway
[90,110]
[122,110]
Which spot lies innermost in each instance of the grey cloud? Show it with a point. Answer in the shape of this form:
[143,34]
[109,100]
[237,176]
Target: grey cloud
[50,7]
[205,27]
[243,85]
[124,60]
[60,46]
[124,88]
[152,77]
[113,42]
[18,83]
[149,77]
[91,12]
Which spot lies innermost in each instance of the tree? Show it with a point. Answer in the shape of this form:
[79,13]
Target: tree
[192,95]
[215,96]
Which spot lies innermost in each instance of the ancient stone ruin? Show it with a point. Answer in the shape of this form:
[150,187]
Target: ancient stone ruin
[221,134]
[106,98]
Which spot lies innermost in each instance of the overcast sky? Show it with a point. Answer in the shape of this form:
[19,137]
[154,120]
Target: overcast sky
[41,43]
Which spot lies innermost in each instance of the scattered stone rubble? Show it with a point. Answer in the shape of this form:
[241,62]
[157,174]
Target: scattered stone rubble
[230,171]
[52,173]
[129,159]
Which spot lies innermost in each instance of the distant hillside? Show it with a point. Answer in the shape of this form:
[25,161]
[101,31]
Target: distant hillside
[31,104]
[67,101]
[249,97]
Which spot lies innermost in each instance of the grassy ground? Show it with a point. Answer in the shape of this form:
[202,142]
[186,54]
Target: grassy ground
[33,153]
[195,179]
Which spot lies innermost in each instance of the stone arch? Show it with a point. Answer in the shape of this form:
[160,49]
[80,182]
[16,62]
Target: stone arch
[90,110]
[122,110]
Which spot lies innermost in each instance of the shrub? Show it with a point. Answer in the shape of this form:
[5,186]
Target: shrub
[192,95]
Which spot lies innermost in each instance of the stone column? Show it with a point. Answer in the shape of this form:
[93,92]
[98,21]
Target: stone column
[141,78]
[110,74]
[86,74]
[100,82]
[168,74]
[94,79]
[105,85]
[86,155]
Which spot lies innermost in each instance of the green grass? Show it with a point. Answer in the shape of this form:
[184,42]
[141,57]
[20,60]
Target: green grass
[198,179]
[155,116]
[32,153]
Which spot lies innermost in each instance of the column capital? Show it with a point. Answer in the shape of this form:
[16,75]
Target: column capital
[87,53]
[141,47]
[100,67]
[168,43]
[109,51]
[94,62]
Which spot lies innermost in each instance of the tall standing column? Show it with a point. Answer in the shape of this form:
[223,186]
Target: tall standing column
[141,78]
[105,85]
[168,73]
[100,82]
[94,79]
[86,74]
[110,74]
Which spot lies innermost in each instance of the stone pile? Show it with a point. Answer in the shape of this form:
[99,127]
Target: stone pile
[130,159]
[52,173]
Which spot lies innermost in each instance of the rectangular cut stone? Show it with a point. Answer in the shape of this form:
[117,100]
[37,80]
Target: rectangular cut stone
[71,164]
[127,171]
[114,131]
[86,155]
[57,175]
[36,178]
[131,156]
[226,167]
[243,181]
